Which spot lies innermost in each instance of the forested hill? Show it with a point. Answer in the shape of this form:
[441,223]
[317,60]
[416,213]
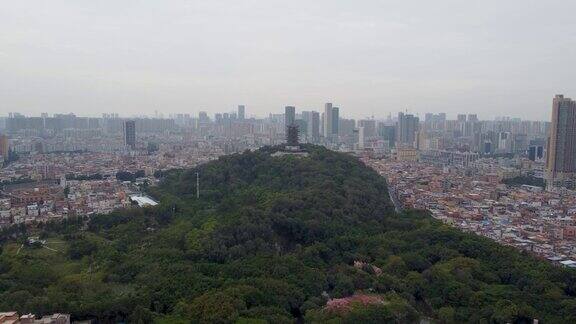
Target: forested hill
[278,239]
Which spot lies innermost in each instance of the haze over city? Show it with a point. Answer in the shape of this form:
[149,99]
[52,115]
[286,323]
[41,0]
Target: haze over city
[492,58]
[266,161]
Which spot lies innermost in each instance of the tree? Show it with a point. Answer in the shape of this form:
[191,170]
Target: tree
[141,315]
[215,307]
[446,315]
[125,176]
[272,239]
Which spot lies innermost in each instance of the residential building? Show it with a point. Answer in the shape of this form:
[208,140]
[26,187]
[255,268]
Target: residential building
[335,121]
[407,126]
[241,112]
[130,134]
[561,159]
[328,120]
[4,146]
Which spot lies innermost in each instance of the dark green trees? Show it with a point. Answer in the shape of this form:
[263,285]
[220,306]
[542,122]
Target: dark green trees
[271,240]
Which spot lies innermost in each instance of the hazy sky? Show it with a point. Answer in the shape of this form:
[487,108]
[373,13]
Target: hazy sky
[491,57]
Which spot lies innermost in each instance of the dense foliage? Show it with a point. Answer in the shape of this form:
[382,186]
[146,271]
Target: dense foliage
[271,240]
[129,176]
[525,180]
[84,177]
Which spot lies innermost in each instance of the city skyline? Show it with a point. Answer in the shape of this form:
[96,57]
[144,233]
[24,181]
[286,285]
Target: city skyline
[493,58]
[234,109]
[405,132]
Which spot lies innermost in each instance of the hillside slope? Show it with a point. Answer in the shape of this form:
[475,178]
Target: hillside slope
[273,239]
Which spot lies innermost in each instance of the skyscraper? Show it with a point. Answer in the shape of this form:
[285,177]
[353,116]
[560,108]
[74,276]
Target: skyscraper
[328,120]
[289,115]
[130,134]
[4,147]
[389,134]
[472,117]
[241,112]
[307,118]
[346,127]
[203,117]
[561,158]
[335,120]
[434,121]
[361,138]
[504,142]
[302,127]
[487,148]
[406,129]
[315,121]
[369,127]
[535,152]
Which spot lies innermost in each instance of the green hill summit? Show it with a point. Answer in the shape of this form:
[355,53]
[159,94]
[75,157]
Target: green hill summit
[277,239]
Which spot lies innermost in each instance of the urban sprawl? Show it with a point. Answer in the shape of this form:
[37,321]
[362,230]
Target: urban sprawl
[507,179]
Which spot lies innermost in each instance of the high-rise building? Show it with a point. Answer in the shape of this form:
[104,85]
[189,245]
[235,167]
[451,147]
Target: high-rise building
[289,115]
[307,118]
[346,127]
[361,138]
[422,141]
[406,128]
[130,134]
[519,143]
[389,133]
[328,120]
[4,147]
[487,147]
[535,152]
[504,142]
[241,112]
[435,121]
[315,126]
[203,117]
[369,127]
[335,120]
[302,127]
[561,158]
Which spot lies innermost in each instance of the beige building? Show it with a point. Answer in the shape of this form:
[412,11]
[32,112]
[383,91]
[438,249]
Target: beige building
[561,157]
[406,154]
[4,146]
